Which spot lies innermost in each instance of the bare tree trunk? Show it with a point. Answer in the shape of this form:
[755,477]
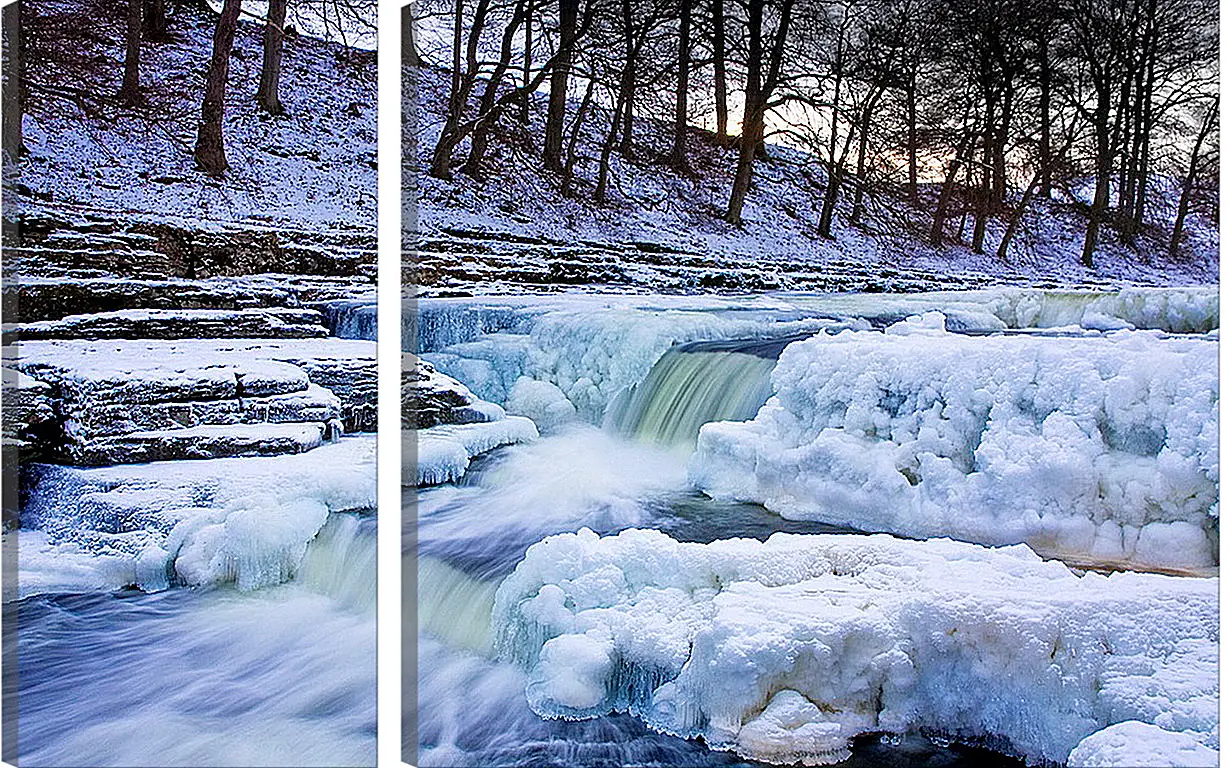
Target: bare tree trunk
[719,84]
[1101,197]
[13,71]
[983,195]
[271,68]
[155,20]
[528,63]
[628,83]
[612,134]
[210,154]
[752,116]
[827,211]
[557,109]
[911,118]
[462,85]
[441,156]
[1044,150]
[1188,185]
[753,128]
[1034,184]
[946,192]
[678,156]
[569,166]
[864,130]
[758,90]
[481,136]
[130,91]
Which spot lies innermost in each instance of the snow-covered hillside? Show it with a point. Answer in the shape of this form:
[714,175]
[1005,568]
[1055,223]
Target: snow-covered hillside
[665,231]
[317,163]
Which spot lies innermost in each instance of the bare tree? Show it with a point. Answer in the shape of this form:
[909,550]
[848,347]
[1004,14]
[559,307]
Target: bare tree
[130,91]
[1210,120]
[271,66]
[210,153]
[678,154]
[761,82]
[553,150]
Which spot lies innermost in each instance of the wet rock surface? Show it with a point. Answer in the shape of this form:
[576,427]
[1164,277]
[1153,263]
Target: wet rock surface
[430,399]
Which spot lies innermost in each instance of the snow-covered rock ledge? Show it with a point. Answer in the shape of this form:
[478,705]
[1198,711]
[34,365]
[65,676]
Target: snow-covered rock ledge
[124,400]
[1096,449]
[783,650]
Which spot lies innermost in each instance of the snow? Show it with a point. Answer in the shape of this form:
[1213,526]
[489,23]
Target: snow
[245,521]
[314,166]
[1099,448]
[155,359]
[784,650]
[1141,744]
[444,451]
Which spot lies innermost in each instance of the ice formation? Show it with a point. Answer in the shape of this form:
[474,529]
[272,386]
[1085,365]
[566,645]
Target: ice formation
[1100,448]
[241,520]
[590,354]
[444,451]
[784,650]
[593,348]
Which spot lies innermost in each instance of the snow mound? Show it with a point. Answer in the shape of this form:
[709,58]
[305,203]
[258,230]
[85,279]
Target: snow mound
[1100,448]
[1141,744]
[245,521]
[784,650]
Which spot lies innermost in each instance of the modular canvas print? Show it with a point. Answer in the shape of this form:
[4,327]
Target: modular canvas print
[189,383]
[811,383]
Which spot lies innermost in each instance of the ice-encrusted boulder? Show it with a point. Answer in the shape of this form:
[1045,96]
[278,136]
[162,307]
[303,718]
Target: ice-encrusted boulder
[241,520]
[126,401]
[1098,448]
[444,425]
[429,398]
[280,323]
[1142,744]
[786,649]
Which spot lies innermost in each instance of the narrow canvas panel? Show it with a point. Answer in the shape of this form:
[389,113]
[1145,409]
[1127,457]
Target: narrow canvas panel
[811,383]
[189,383]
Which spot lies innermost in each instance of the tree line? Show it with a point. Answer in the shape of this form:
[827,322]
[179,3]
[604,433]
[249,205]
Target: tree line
[967,110]
[147,22]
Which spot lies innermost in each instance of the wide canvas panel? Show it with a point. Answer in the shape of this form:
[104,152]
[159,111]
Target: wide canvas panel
[814,383]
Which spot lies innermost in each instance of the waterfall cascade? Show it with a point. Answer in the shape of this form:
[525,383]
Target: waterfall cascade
[693,384]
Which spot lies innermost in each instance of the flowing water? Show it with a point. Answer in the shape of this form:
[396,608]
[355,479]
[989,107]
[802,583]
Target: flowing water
[471,708]
[279,676]
[693,384]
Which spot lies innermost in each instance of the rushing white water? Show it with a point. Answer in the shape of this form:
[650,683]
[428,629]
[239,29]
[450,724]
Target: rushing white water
[279,676]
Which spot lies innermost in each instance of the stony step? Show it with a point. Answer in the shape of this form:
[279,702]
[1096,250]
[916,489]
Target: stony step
[117,401]
[275,323]
[205,442]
